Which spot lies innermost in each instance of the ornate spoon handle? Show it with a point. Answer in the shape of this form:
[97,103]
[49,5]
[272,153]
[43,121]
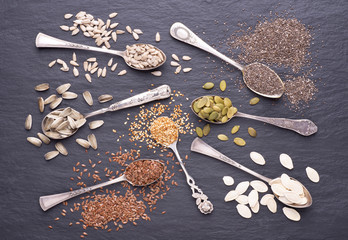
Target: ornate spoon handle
[204,205]
[304,127]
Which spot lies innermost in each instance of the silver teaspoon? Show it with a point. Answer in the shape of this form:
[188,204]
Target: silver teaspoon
[303,127]
[57,117]
[199,146]
[49,201]
[182,33]
[45,41]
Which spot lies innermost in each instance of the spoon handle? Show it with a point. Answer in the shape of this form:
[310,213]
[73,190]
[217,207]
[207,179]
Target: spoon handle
[198,145]
[204,205]
[45,41]
[304,127]
[49,201]
[182,33]
[158,93]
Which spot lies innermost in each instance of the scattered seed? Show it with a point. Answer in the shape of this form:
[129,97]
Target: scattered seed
[272,205]
[42,87]
[199,132]
[50,155]
[55,103]
[239,141]
[113,68]
[291,214]
[186,70]
[88,77]
[35,141]
[186,58]
[92,141]
[253,198]
[75,72]
[44,138]
[286,161]
[63,88]
[206,129]
[92,59]
[75,64]
[228,180]
[75,31]
[114,35]
[96,124]
[51,64]
[252,132]
[222,137]
[158,37]
[110,62]
[121,73]
[259,186]
[104,72]
[82,142]
[257,158]
[129,29]
[175,57]
[69,95]
[312,174]
[74,58]
[112,15]
[105,98]
[64,27]
[119,31]
[208,85]
[138,31]
[157,73]
[28,122]
[223,85]
[231,195]
[265,198]
[68,15]
[135,36]
[235,129]
[242,187]
[41,103]
[174,64]
[243,210]
[178,69]
[100,71]
[242,199]
[88,97]
[254,101]
[256,208]
[61,149]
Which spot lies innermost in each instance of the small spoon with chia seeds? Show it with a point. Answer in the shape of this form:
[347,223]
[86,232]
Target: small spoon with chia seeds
[258,77]
[138,173]
[157,59]
[199,146]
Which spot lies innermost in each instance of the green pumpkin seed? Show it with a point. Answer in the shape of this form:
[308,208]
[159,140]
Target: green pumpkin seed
[222,137]
[227,102]
[204,114]
[208,85]
[224,119]
[208,104]
[220,105]
[224,111]
[239,141]
[207,110]
[206,129]
[252,132]
[214,115]
[254,101]
[216,108]
[223,85]
[218,99]
[201,102]
[195,108]
[235,129]
[199,132]
[234,111]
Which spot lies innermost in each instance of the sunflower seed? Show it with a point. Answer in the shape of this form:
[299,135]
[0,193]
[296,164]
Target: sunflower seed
[242,199]
[175,57]
[272,205]
[110,62]
[222,137]
[105,98]
[53,135]
[42,87]
[178,69]
[43,138]
[135,36]
[92,141]
[244,211]
[239,141]
[74,58]
[291,214]
[60,148]
[104,72]
[113,68]
[120,31]
[186,70]
[35,141]
[69,95]
[63,88]
[254,101]
[253,198]
[114,25]
[312,174]
[235,129]
[259,186]
[108,22]
[138,31]
[95,124]
[174,64]
[68,15]
[93,70]
[257,158]
[112,15]
[223,85]
[121,73]
[50,155]
[158,37]
[208,85]
[82,142]
[92,59]
[41,104]
[74,63]
[74,32]
[80,122]
[88,77]
[157,73]
[265,198]
[88,98]
[75,72]
[231,195]
[186,58]
[52,63]
[129,29]
[28,122]
[228,180]
[55,103]
[72,122]
[64,27]
[286,161]
[100,71]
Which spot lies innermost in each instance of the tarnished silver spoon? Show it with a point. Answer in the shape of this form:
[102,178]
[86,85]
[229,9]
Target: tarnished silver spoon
[303,127]
[199,146]
[182,33]
[49,201]
[45,41]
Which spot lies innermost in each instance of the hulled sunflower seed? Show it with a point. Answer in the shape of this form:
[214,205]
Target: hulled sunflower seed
[95,124]
[63,88]
[119,31]
[114,36]
[138,31]
[82,142]
[68,15]
[55,103]
[129,29]
[28,122]
[110,62]
[157,73]
[76,72]
[50,155]
[186,70]
[103,72]
[105,98]
[113,68]
[85,66]
[51,64]
[178,69]
[75,64]
[92,59]
[158,37]
[64,27]
[74,58]
[88,77]
[69,95]
[112,15]
[186,58]
[175,57]
[92,141]
[88,97]
[42,87]
[74,32]
[113,25]
[174,64]
[121,73]
[44,138]
[135,36]
[35,141]
[60,148]
[41,103]
[99,73]
[50,99]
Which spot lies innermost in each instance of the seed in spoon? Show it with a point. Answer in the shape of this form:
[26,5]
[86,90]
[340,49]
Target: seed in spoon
[164,131]
[312,174]
[286,161]
[228,180]
[291,214]
[144,172]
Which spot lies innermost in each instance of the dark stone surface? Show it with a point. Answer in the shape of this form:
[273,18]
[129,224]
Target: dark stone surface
[25,175]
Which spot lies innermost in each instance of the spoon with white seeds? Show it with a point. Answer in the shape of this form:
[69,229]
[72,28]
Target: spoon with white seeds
[286,189]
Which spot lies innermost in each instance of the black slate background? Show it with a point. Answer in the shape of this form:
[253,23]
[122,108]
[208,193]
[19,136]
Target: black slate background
[25,175]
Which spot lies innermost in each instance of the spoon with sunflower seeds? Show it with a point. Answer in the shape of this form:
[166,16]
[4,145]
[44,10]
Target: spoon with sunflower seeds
[138,56]
[219,110]
[65,122]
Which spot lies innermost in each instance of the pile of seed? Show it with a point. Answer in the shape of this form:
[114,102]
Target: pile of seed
[144,172]
[143,56]
[164,131]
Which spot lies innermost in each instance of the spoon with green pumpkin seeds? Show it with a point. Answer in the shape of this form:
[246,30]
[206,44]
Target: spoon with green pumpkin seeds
[219,110]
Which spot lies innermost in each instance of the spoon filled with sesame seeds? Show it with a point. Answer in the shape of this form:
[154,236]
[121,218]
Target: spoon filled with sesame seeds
[139,173]
[138,56]
[165,132]
[258,77]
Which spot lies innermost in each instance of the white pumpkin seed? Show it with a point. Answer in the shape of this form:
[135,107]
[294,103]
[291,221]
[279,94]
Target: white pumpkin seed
[51,64]
[88,77]
[244,211]
[42,87]
[92,141]
[291,214]
[257,158]
[259,186]
[278,189]
[105,98]
[55,103]
[174,64]
[231,195]
[256,208]
[95,124]
[312,174]
[265,198]
[35,141]
[284,200]
[82,142]
[68,15]
[228,180]
[286,161]
[50,155]
[69,95]
[50,99]
[121,73]
[41,103]
[242,199]
[242,187]
[88,97]
[63,88]
[157,73]
[253,198]
[44,138]
[175,57]
[272,205]
[28,122]
[293,197]
[60,148]
[186,58]
[158,37]
[186,70]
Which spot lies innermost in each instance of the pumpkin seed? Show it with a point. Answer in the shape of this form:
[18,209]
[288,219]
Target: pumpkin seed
[224,119]
[291,214]
[63,88]
[96,124]
[257,158]
[92,141]
[242,187]
[41,103]
[312,174]
[43,138]
[206,129]
[199,132]
[185,58]
[82,142]
[195,107]
[227,102]
[242,199]
[244,211]
[265,198]
[50,99]
[213,116]
[42,87]
[228,180]
[218,99]
[207,110]
[50,155]
[223,85]
[254,101]
[35,141]
[239,141]
[272,205]
[231,195]
[286,161]
[28,122]
[105,98]
[208,85]
[201,102]
[175,57]
[252,132]
[253,198]
[88,97]
[69,95]
[61,149]
[259,186]
[224,111]
[256,208]
[55,103]
[222,137]
[235,129]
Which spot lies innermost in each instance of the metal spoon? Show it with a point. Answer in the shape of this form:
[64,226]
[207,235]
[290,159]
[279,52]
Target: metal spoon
[49,201]
[158,93]
[204,205]
[182,33]
[303,127]
[45,41]
[201,147]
